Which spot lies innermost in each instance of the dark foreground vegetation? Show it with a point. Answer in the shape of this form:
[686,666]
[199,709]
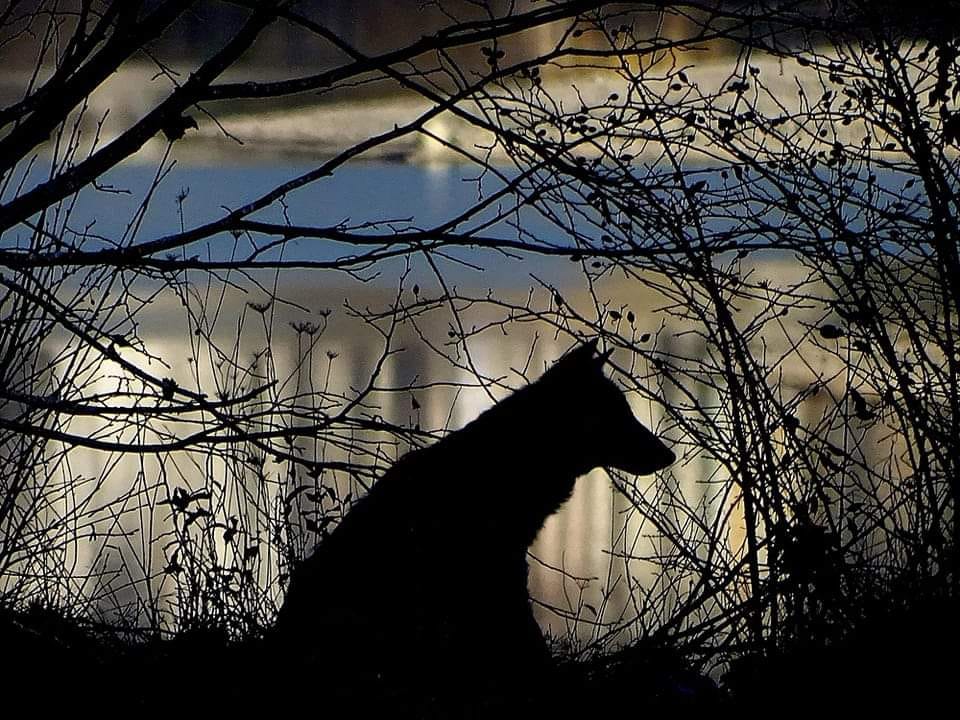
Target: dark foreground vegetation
[894,659]
[753,205]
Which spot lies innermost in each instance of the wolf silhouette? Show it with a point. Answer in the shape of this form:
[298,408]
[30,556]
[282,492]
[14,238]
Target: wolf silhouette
[427,574]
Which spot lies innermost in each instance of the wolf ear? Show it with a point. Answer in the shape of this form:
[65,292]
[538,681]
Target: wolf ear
[583,357]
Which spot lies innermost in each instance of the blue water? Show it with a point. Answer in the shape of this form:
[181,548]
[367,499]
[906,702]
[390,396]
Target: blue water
[399,197]
[378,198]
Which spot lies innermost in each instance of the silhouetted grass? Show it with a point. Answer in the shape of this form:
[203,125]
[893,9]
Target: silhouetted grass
[897,654]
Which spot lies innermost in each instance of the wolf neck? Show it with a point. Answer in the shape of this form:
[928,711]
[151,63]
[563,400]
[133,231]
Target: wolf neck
[513,456]
[524,431]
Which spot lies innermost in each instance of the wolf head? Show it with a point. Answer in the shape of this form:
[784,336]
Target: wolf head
[600,427]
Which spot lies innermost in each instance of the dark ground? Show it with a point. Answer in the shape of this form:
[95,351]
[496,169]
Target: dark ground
[901,659]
